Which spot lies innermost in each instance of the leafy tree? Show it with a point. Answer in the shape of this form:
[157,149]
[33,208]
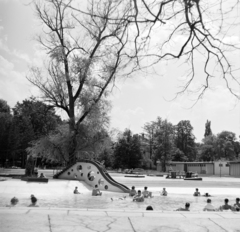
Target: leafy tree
[91,138]
[164,138]
[208,149]
[185,140]
[208,130]
[225,145]
[5,125]
[32,119]
[127,152]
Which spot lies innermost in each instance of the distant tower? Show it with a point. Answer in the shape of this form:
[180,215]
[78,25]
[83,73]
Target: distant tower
[208,130]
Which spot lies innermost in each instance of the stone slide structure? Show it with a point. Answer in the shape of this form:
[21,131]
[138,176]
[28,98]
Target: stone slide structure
[93,173]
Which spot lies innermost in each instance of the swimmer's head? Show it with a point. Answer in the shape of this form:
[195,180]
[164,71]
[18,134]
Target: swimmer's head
[145,188]
[14,201]
[149,207]
[209,200]
[226,200]
[133,187]
[34,200]
[187,205]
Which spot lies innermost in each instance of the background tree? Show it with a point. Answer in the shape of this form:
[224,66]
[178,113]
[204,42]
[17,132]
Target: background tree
[91,138]
[164,138]
[32,119]
[208,149]
[185,140]
[225,145]
[5,125]
[127,152]
[208,130]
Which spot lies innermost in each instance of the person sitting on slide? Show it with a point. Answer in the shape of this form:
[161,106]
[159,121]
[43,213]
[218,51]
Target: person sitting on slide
[197,193]
[132,192]
[164,192]
[139,197]
[146,193]
[96,192]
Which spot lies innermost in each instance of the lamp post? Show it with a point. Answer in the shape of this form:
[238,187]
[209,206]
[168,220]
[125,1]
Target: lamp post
[220,165]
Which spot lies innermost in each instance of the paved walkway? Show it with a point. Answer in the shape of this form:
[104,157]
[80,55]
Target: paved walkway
[86,220]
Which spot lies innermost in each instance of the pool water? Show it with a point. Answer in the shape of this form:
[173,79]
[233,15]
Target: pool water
[59,194]
[113,201]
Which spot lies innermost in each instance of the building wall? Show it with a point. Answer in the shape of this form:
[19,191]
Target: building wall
[210,169]
[200,168]
[235,169]
[224,169]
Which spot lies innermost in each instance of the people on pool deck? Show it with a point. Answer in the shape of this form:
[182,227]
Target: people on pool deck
[96,192]
[132,192]
[164,192]
[209,206]
[13,202]
[187,206]
[237,204]
[33,201]
[196,193]
[76,191]
[149,207]
[226,206]
[146,193]
[139,197]
[42,176]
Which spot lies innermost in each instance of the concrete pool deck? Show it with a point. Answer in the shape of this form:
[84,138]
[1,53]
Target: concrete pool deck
[23,219]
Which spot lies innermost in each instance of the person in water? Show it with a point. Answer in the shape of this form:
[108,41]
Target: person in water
[76,191]
[226,206]
[96,192]
[196,193]
[146,193]
[209,206]
[139,197]
[33,201]
[237,204]
[164,192]
[187,206]
[132,192]
[13,202]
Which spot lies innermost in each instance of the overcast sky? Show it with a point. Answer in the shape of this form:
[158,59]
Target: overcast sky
[135,101]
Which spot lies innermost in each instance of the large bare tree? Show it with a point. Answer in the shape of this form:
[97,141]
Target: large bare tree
[85,53]
[90,42]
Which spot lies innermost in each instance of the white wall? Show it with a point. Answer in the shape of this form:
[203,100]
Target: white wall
[235,169]
[224,168]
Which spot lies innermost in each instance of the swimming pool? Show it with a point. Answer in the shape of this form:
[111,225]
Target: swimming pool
[59,194]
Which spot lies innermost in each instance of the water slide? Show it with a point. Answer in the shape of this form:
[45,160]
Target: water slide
[93,173]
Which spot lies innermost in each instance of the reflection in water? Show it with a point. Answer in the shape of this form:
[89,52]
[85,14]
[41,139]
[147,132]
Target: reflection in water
[84,201]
